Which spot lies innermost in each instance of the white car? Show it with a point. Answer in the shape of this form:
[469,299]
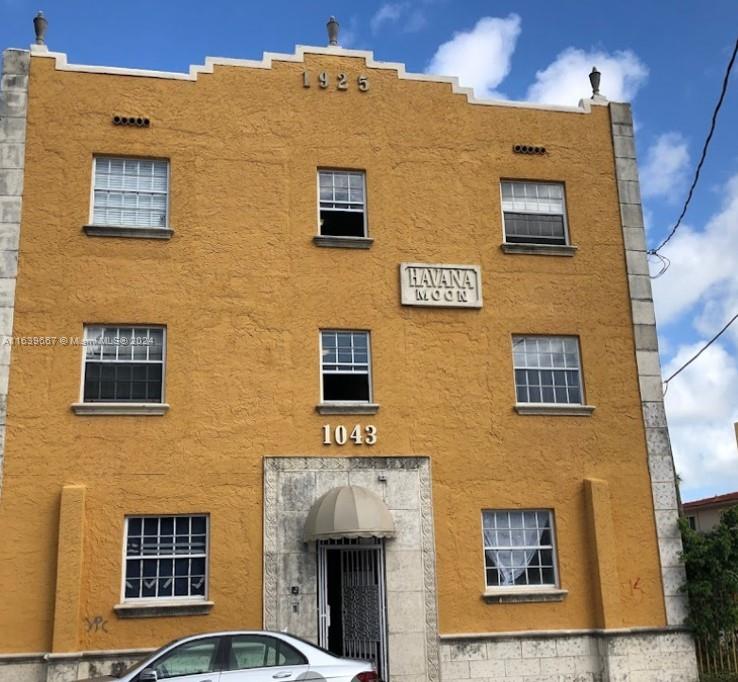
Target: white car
[245,656]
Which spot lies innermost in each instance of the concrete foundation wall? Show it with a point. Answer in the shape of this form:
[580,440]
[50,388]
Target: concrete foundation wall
[597,657]
[69,668]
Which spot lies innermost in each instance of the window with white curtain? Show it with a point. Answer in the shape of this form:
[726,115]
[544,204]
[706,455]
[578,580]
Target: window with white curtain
[130,192]
[166,557]
[519,548]
[534,212]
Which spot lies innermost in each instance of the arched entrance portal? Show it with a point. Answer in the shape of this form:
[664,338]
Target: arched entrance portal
[349,525]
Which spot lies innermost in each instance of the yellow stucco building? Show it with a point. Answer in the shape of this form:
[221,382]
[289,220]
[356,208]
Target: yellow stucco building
[271,290]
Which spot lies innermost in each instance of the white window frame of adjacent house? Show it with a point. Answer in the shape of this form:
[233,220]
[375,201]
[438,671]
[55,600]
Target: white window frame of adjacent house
[348,366]
[129,191]
[573,342]
[91,332]
[562,213]
[164,556]
[362,203]
[534,547]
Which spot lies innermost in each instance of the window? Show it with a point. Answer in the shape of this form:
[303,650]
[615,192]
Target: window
[123,364]
[192,658]
[534,212]
[166,557]
[547,370]
[518,548]
[342,206]
[345,366]
[692,521]
[258,651]
[130,192]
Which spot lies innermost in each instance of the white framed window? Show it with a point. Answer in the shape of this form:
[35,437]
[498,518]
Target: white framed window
[130,192]
[547,370]
[166,557]
[534,212]
[123,364]
[342,200]
[345,366]
[519,548]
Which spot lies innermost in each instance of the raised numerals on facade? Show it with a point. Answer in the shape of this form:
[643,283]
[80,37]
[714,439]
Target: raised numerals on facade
[339,81]
[358,435]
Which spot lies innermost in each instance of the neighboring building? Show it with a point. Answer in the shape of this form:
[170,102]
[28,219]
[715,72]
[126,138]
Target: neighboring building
[312,343]
[704,515]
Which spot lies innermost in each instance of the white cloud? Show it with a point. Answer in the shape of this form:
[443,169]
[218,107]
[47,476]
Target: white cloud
[390,12]
[703,268]
[564,81]
[480,58]
[701,289]
[393,12]
[665,168]
[702,405]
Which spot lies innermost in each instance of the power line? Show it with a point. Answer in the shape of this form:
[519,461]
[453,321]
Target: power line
[699,352]
[724,89]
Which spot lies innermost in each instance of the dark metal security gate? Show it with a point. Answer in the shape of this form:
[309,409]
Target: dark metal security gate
[351,580]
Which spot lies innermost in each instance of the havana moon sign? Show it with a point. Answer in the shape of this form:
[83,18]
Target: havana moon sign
[441,286]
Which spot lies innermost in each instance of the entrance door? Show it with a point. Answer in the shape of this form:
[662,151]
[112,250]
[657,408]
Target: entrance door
[352,606]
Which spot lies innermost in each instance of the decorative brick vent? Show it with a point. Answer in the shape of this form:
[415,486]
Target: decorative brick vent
[138,121]
[528,149]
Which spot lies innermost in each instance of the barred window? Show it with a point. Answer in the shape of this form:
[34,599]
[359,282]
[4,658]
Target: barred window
[166,557]
[342,205]
[345,366]
[534,212]
[123,364]
[519,548]
[130,192]
[547,370]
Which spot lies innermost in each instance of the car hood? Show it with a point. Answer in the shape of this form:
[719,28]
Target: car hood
[104,678]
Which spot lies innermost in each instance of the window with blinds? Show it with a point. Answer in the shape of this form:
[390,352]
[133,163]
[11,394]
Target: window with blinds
[534,213]
[123,364]
[130,192]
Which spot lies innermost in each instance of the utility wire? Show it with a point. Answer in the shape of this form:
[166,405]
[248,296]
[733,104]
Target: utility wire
[653,252]
[699,352]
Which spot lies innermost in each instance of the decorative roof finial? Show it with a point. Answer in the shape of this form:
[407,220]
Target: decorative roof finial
[332,31]
[39,26]
[594,80]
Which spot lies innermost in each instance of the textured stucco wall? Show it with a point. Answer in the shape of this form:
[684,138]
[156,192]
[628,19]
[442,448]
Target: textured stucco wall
[243,292]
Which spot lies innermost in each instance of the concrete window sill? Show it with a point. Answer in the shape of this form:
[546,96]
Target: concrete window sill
[128,231]
[540,249]
[555,409]
[342,242]
[515,595]
[162,608]
[132,409]
[347,408]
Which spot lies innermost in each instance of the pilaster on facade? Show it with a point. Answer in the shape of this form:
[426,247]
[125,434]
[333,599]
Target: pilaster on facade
[660,459]
[13,114]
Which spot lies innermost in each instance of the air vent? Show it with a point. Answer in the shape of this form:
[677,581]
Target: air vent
[528,149]
[139,121]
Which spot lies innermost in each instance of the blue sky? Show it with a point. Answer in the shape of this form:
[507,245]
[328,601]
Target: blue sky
[667,57]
